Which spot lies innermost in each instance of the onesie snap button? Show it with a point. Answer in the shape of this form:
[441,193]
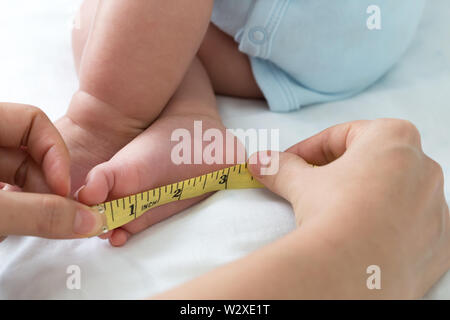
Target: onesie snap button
[257,35]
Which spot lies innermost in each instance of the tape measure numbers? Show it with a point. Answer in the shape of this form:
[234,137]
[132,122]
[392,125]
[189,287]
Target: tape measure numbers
[121,211]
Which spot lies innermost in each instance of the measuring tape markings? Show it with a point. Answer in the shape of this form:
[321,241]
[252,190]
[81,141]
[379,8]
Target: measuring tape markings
[119,212]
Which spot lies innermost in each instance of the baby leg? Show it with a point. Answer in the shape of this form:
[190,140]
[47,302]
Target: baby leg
[146,162]
[131,56]
[228,68]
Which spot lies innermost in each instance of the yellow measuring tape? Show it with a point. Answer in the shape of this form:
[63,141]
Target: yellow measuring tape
[121,211]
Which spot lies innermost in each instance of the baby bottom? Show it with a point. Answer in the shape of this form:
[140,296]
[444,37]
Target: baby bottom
[305,52]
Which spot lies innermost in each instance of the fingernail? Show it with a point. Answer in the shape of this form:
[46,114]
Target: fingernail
[253,163]
[264,158]
[77,192]
[87,223]
[253,159]
[258,161]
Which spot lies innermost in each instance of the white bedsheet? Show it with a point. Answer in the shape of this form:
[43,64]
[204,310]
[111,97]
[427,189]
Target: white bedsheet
[36,68]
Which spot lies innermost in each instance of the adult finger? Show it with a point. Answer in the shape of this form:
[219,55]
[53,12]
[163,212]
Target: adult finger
[294,165]
[29,127]
[287,171]
[18,169]
[328,145]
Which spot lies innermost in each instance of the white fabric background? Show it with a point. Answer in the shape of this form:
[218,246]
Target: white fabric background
[36,68]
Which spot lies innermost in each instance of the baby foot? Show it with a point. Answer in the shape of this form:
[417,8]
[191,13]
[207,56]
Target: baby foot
[146,163]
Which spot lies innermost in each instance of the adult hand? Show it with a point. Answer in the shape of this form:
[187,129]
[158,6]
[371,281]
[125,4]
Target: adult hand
[374,199]
[33,156]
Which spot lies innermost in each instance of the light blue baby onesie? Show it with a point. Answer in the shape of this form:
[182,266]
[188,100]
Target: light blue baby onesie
[310,51]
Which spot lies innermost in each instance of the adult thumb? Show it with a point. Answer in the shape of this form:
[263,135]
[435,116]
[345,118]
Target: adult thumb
[47,216]
[281,172]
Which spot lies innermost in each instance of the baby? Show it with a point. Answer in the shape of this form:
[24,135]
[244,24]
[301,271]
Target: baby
[148,67]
